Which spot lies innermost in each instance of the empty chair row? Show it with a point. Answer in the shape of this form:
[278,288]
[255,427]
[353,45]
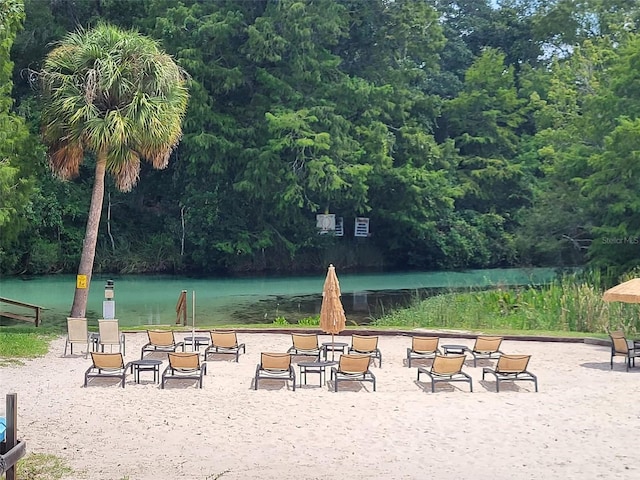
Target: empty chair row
[111,365]
[485,347]
[108,334]
[448,368]
[350,367]
[307,344]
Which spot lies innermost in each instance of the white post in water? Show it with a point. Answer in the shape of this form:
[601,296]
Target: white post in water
[193,327]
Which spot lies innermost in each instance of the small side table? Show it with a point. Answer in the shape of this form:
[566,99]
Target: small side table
[332,347]
[314,367]
[197,342]
[454,349]
[146,365]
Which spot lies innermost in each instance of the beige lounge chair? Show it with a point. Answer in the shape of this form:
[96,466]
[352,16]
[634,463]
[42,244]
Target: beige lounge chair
[275,365]
[161,341]
[622,347]
[77,332]
[184,365]
[486,347]
[446,368]
[305,344]
[366,345]
[225,342]
[352,368]
[106,365]
[422,347]
[512,368]
[110,334]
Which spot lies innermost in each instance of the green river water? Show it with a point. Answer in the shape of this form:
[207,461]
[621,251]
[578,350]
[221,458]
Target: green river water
[151,300]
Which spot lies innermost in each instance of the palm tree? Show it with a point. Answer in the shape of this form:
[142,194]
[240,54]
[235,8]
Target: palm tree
[114,95]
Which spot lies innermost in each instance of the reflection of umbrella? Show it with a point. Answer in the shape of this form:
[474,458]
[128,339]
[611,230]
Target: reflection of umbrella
[332,318]
[627,292]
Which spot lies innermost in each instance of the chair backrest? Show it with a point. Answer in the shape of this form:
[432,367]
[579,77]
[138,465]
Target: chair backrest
[364,343]
[184,360]
[487,344]
[619,342]
[109,332]
[447,364]
[107,361]
[512,363]
[275,361]
[77,329]
[350,363]
[224,339]
[424,344]
[161,338]
[305,341]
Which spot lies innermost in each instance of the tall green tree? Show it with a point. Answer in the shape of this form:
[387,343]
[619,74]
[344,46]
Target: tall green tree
[115,96]
[18,151]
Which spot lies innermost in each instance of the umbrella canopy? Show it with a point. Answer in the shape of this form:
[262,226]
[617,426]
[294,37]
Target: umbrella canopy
[628,292]
[332,318]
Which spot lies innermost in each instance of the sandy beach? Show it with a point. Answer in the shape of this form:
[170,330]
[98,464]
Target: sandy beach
[583,423]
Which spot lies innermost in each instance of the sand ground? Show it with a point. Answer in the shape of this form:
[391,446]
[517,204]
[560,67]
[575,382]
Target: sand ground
[582,424]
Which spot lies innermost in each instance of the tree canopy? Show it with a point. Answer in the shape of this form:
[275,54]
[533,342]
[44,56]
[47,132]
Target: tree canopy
[470,133]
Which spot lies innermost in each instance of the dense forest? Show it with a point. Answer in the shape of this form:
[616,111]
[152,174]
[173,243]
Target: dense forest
[469,133]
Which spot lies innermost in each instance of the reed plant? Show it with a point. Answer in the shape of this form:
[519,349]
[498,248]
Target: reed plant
[571,303]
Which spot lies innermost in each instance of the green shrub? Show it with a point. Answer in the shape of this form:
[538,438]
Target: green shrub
[280,321]
[310,321]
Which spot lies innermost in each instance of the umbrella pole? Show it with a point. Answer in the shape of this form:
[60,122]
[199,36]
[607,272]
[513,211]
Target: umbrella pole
[193,324]
[333,350]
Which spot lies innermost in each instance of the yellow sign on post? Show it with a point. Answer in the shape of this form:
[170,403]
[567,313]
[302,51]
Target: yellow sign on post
[81,281]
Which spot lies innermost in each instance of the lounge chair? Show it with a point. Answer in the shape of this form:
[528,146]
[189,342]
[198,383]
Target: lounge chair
[305,344]
[422,347]
[352,368]
[161,341]
[486,347]
[446,368]
[622,347]
[225,342]
[184,365]
[275,365]
[366,345]
[110,334]
[106,365]
[513,368]
[77,332]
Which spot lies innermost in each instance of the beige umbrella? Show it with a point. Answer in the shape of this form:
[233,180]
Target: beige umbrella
[332,318]
[627,292]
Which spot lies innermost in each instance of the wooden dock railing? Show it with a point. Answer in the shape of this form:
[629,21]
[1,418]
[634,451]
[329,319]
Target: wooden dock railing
[35,318]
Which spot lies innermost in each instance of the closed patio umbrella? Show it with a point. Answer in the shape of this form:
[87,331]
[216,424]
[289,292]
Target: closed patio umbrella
[627,292]
[332,318]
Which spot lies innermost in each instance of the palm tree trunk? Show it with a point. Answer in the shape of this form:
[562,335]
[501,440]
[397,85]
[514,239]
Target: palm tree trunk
[79,307]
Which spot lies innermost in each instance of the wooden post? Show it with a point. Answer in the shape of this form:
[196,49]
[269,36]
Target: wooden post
[181,308]
[13,450]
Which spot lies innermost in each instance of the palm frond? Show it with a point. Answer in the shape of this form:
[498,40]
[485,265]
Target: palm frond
[114,91]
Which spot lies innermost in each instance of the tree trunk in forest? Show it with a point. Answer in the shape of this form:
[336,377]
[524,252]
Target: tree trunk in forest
[79,307]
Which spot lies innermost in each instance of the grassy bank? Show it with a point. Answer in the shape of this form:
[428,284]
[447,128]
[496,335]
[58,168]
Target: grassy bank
[568,304]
